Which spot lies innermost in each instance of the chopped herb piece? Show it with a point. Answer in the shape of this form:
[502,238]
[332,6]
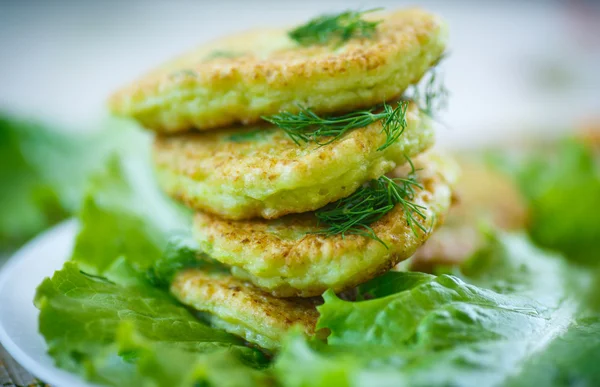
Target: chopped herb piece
[307,126]
[339,27]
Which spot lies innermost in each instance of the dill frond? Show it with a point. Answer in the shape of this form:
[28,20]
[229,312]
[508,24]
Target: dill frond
[430,94]
[355,213]
[339,27]
[394,123]
[307,126]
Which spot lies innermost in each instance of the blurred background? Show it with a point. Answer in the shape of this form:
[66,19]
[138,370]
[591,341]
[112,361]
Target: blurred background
[517,68]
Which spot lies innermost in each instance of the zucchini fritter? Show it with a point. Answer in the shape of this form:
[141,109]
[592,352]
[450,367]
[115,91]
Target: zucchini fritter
[282,256]
[242,309]
[240,78]
[244,173]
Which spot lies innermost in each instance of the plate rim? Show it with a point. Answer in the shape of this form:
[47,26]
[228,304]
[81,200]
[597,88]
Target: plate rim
[29,363]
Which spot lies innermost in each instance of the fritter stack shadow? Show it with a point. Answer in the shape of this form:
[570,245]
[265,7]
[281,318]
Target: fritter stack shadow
[257,189]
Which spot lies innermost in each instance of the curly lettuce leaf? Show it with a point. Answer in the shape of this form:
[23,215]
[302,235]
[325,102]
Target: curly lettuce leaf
[44,172]
[181,252]
[563,191]
[29,199]
[438,331]
[160,365]
[124,214]
[83,316]
[562,187]
[390,283]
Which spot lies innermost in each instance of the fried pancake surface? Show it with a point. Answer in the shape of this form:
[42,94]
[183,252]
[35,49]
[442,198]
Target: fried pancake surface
[242,309]
[242,173]
[282,256]
[240,78]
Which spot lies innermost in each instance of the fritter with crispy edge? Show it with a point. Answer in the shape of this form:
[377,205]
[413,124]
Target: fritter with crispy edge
[244,310]
[284,257]
[240,78]
[242,174]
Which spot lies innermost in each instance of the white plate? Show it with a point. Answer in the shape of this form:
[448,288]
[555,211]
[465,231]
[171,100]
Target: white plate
[19,317]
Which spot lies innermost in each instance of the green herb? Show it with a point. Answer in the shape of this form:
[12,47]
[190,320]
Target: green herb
[307,126]
[341,27]
[245,136]
[431,94]
[355,214]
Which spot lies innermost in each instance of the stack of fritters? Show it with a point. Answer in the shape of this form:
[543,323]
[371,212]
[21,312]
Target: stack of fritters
[224,116]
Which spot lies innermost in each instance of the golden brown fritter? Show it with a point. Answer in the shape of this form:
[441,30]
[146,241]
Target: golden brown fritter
[280,256]
[240,78]
[242,173]
[242,309]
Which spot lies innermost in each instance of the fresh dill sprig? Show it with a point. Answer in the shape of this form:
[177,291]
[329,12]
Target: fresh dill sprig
[340,27]
[394,123]
[307,126]
[355,213]
[430,94]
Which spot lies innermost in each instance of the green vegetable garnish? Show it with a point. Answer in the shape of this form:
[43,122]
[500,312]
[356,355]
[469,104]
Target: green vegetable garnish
[339,27]
[43,172]
[562,186]
[563,189]
[355,213]
[430,94]
[307,126]
[117,202]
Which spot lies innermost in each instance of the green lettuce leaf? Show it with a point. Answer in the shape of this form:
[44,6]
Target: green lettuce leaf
[571,359]
[124,214]
[102,317]
[439,331]
[390,283]
[29,199]
[82,317]
[181,252]
[44,172]
[563,191]
[562,186]
[161,365]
